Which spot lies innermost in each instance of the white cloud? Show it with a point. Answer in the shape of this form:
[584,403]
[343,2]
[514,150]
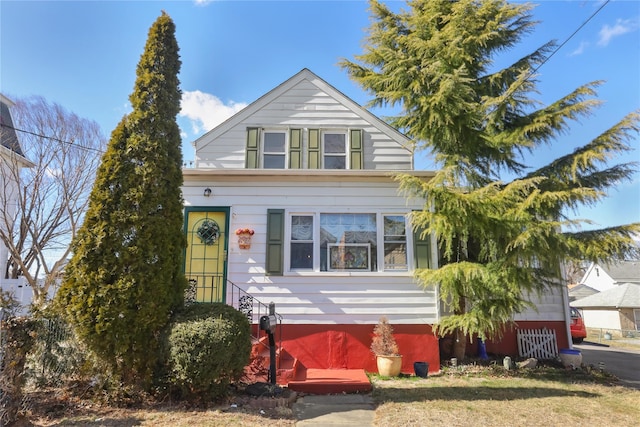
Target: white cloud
[206,111]
[622,26]
[580,49]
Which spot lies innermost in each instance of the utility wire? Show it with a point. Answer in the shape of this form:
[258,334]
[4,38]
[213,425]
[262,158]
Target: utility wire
[560,46]
[53,138]
[567,39]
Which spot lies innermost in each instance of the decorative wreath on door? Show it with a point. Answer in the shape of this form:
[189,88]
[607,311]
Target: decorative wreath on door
[208,232]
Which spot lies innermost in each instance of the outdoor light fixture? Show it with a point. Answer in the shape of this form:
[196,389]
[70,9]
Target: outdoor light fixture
[207,192]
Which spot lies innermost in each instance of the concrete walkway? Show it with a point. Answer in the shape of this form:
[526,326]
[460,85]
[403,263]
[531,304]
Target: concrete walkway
[334,410]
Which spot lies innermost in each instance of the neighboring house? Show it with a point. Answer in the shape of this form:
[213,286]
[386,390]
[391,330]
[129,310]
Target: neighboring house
[602,277]
[311,174]
[12,159]
[580,291]
[615,309]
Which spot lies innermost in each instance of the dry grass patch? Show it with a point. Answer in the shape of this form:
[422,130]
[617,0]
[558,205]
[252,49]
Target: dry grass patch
[55,408]
[540,397]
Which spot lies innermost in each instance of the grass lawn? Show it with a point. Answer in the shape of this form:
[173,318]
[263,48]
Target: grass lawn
[494,397]
[465,396]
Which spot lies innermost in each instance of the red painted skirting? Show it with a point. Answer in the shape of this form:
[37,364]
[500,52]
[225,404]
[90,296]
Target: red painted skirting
[508,345]
[327,346]
[347,346]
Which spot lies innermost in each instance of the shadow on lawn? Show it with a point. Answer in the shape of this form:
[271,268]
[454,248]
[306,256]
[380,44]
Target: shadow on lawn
[107,421]
[398,394]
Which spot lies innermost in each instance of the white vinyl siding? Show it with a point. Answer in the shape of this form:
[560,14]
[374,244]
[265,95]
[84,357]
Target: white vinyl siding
[302,295]
[304,107]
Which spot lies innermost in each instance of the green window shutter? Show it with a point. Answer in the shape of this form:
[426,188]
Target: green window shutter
[275,242]
[295,149]
[314,149]
[357,158]
[421,249]
[253,143]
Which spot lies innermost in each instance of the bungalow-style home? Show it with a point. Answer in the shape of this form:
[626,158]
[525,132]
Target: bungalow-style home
[616,310]
[293,201]
[602,277]
[12,159]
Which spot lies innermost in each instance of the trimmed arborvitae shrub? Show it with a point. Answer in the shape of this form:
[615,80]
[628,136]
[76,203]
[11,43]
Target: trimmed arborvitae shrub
[208,347]
[125,278]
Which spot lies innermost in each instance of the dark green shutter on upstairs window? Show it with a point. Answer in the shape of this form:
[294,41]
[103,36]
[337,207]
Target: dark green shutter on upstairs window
[275,242]
[295,149]
[314,149]
[421,249]
[253,143]
[355,137]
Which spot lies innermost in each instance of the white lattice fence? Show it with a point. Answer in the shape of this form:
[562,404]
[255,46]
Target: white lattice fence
[538,343]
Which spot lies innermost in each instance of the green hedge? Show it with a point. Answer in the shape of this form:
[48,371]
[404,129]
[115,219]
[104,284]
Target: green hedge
[208,347]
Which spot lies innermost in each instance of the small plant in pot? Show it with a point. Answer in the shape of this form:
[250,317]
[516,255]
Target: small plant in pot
[385,348]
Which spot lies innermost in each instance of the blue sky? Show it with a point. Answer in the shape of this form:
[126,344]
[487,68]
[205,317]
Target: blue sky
[83,55]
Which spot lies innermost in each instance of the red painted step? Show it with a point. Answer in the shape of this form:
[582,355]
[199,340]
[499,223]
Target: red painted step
[330,381]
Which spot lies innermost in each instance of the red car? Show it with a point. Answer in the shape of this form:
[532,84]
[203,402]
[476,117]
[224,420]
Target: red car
[578,330]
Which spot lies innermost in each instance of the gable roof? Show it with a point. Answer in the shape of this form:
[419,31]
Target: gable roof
[624,271]
[626,295]
[619,271]
[8,136]
[305,74]
[581,291]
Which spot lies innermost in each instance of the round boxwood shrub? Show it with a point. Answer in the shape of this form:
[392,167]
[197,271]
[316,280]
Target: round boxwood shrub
[208,347]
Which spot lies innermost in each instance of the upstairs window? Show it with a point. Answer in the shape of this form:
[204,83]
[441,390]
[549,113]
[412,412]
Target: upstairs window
[309,148]
[334,148]
[274,150]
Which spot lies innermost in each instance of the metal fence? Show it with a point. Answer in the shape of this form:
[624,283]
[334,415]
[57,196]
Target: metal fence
[607,335]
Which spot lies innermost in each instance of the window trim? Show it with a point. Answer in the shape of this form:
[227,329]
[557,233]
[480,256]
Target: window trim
[264,152]
[345,154]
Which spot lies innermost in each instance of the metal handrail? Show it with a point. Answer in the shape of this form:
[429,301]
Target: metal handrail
[209,288]
[253,308]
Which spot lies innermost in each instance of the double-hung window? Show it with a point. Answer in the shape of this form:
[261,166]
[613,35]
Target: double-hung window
[296,148]
[395,242]
[353,242]
[334,148]
[274,146]
[301,242]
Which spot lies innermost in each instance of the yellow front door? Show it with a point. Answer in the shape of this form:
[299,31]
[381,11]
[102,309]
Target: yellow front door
[206,255]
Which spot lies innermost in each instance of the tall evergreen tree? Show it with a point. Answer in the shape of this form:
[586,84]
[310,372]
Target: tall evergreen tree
[125,277]
[500,241]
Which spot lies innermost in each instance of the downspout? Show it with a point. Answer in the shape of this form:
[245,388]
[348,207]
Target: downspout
[565,300]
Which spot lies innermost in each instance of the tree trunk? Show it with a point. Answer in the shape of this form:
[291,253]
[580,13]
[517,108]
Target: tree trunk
[459,345]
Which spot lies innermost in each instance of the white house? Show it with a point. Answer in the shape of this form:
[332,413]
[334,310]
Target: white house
[602,277]
[616,309]
[12,159]
[309,174]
